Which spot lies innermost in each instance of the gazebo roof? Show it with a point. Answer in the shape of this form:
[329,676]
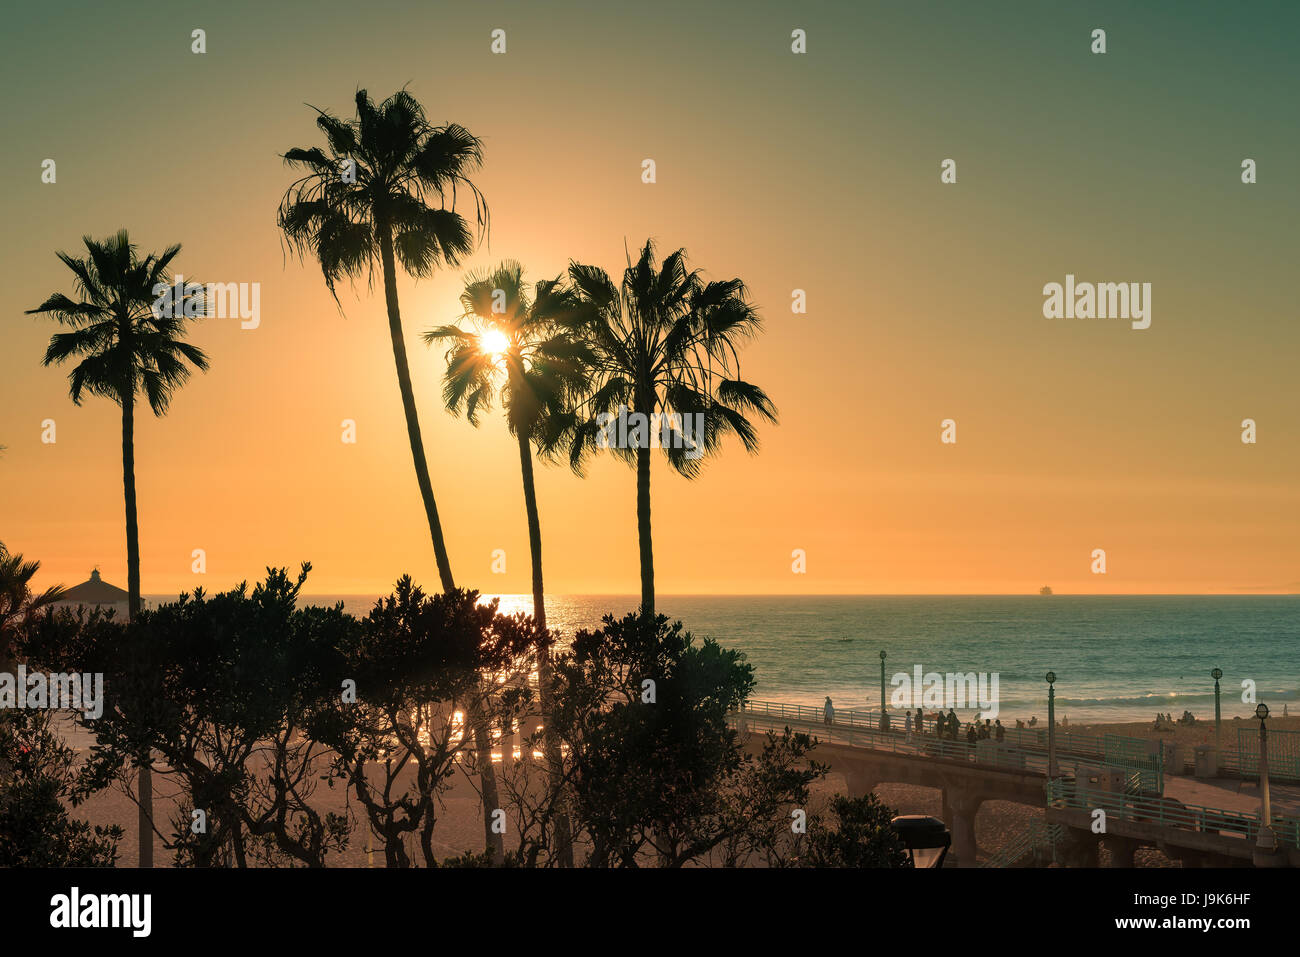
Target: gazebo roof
[96,591]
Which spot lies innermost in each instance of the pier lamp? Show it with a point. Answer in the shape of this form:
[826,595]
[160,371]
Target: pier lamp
[884,716]
[1267,842]
[926,838]
[1216,674]
[1051,725]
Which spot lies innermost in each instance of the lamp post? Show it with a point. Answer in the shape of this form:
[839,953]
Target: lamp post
[884,716]
[1216,674]
[1051,725]
[1267,841]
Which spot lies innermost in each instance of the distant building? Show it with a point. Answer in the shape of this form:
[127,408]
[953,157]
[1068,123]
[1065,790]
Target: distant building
[1045,590]
[95,592]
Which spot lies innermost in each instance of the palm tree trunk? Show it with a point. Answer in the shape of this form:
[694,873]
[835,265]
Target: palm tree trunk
[643,532]
[545,676]
[145,783]
[482,738]
[494,842]
[408,406]
[534,529]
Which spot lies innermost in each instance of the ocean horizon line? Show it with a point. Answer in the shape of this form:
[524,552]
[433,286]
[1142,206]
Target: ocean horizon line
[805,595]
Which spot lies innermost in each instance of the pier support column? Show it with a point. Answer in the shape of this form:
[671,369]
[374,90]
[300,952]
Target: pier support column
[1081,848]
[1121,851]
[959,810]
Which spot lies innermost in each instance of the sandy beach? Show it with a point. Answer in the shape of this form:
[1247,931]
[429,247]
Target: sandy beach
[460,826]
[1190,735]
[460,819]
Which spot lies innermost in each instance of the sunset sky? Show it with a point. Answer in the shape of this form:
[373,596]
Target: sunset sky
[818,172]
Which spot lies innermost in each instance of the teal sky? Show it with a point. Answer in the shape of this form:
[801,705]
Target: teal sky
[818,172]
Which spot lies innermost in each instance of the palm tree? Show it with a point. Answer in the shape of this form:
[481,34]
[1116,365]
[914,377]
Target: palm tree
[519,350]
[126,347]
[367,197]
[666,343]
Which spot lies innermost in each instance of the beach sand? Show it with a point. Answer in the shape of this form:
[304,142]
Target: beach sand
[460,823]
[1200,733]
[459,828]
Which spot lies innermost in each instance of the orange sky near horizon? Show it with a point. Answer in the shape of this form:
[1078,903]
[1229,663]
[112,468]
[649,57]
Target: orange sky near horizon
[818,173]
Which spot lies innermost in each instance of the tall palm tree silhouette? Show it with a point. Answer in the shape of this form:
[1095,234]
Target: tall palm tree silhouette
[126,348]
[367,197]
[665,342]
[516,347]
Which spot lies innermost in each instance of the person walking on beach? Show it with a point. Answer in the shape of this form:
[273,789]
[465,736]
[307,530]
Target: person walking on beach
[920,721]
[953,724]
[971,734]
[999,732]
[828,712]
[986,732]
[907,726]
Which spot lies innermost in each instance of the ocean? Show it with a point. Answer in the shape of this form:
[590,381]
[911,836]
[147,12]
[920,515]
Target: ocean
[1117,658]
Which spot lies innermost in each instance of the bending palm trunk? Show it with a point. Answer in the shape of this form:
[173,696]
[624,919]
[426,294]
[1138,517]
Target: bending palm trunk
[545,676]
[408,406]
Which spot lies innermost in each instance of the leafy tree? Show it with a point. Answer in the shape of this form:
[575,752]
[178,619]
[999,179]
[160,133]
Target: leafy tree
[665,342]
[235,691]
[756,813]
[862,835]
[656,772]
[257,704]
[417,662]
[35,827]
[18,604]
[125,348]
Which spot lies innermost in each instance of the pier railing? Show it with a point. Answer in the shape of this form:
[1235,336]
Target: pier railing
[1036,738]
[1169,813]
[1067,741]
[1036,840]
[854,729]
[1145,758]
[1136,803]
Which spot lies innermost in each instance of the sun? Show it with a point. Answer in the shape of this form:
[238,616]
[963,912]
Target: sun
[494,342]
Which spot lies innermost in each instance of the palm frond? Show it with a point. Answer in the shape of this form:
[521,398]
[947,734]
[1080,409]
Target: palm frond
[119,341]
